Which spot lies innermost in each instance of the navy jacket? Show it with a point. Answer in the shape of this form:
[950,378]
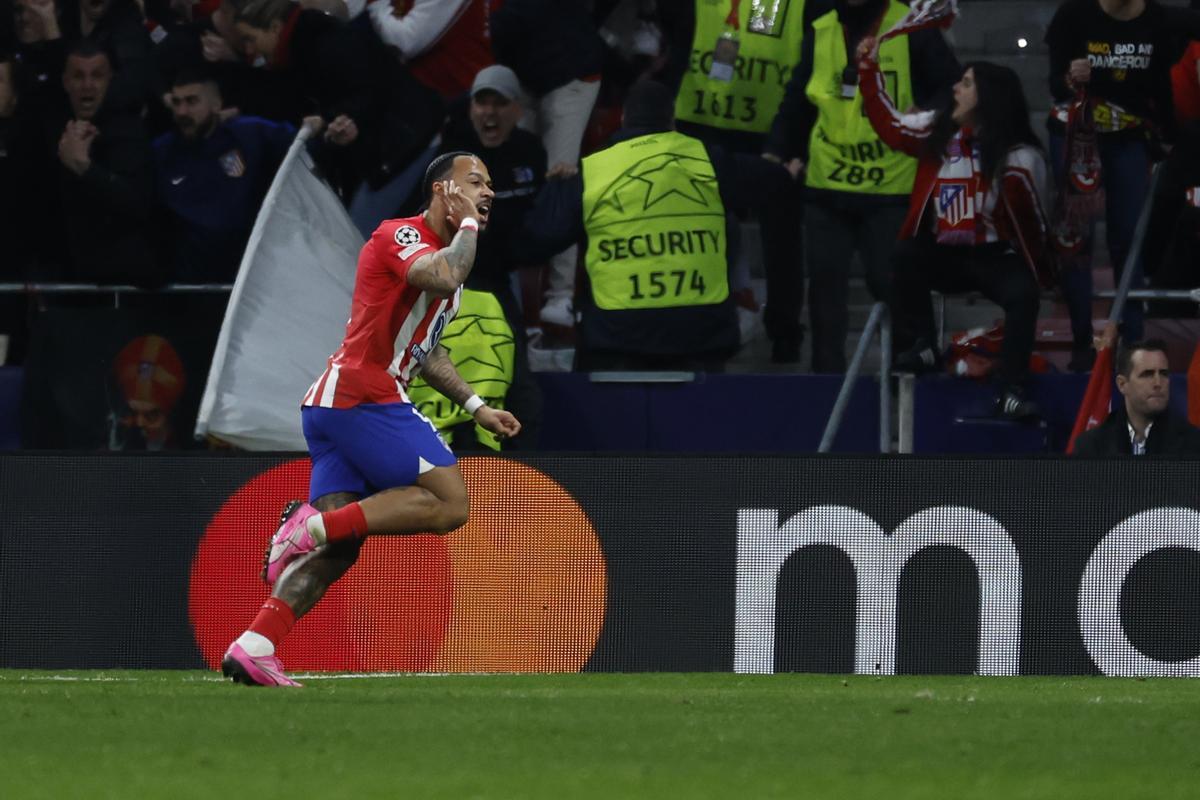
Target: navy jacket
[213,188]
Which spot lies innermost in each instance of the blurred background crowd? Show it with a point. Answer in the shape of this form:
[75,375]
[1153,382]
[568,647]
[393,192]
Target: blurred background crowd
[139,137]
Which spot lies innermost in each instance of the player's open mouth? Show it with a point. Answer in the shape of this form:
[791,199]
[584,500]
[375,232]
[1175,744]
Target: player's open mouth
[484,210]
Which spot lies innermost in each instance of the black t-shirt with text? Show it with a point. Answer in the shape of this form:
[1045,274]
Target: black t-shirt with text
[1131,59]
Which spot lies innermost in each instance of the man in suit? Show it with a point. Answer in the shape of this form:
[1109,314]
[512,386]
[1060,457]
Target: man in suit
[1144,425]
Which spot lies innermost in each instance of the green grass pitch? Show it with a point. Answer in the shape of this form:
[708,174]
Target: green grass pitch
[186,734]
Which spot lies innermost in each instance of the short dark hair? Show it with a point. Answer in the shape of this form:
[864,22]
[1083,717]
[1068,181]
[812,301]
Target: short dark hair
[1125,353]
[86,48]
[440,168]
[186,76]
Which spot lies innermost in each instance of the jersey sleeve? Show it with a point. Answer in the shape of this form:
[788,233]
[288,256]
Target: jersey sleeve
[398,246]
[904,132]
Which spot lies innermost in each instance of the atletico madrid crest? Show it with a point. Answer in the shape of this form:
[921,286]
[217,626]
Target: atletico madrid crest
[954,204]
[233,164]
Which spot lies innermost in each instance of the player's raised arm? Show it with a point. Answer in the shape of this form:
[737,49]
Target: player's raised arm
[440,373]
[442,272]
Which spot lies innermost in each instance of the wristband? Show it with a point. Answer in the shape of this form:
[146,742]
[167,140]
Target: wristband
[470,223]
[473,404]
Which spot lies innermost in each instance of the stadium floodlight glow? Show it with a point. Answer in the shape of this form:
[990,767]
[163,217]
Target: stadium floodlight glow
[1022,42]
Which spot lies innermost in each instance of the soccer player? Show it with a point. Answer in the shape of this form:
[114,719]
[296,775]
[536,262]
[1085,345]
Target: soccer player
[378,465]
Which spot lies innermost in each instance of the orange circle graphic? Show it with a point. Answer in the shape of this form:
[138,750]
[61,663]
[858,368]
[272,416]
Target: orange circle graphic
[520,588]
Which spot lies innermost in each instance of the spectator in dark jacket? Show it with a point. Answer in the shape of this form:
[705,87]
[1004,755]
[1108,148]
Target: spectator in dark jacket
[40,52]
[118,27]
[37,75]
[1171,253]
[547,44]
[106,179]
[21,171]
[205,37]
[1144,425]
[553,47]
[376,118]
[212,175]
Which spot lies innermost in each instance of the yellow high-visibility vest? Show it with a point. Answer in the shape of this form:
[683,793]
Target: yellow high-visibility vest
[844,154]
[655,224]
[769,35]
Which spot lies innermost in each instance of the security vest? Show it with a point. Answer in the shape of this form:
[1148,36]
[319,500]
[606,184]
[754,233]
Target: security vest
[481,346]
[655,224]
[769,34]
[844,154]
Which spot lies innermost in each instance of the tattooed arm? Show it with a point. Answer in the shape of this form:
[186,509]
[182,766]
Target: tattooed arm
[440,373]
[442,272]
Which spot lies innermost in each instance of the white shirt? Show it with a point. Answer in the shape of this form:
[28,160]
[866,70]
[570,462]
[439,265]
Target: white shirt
[418,30]
[1139,447]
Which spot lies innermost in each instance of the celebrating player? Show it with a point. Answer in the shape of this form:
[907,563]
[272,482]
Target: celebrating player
[378,465]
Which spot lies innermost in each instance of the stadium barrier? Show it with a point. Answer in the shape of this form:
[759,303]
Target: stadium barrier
[626,563]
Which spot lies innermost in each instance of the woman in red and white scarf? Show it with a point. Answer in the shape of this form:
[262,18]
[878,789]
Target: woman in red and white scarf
[976,218]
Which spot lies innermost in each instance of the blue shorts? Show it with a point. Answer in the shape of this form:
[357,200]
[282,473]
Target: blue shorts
[370,447]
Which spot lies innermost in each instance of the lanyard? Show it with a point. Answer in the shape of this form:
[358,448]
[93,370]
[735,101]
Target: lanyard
[732,20]
[874,31]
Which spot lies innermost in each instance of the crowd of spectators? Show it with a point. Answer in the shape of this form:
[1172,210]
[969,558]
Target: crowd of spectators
[138,137]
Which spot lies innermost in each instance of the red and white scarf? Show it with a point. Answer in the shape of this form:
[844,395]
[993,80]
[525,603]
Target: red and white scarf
[1081,197]
[924,14]
[958,196]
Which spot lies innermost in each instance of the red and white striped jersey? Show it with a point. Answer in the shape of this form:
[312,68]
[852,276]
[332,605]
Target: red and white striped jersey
[393,326]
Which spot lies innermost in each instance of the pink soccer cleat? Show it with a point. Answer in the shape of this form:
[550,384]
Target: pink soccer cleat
[290,541]
[242,667]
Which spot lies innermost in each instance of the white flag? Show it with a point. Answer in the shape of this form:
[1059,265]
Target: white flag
[287,312]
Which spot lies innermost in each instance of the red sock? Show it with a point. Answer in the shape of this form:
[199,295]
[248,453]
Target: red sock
[348,522]
[274,620]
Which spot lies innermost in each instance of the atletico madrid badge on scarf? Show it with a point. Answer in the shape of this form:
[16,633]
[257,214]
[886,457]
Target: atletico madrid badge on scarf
[233,164]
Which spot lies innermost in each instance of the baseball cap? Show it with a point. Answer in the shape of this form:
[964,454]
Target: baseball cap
[497,78]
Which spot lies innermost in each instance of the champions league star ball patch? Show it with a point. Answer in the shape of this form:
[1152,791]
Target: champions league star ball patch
[407,236]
